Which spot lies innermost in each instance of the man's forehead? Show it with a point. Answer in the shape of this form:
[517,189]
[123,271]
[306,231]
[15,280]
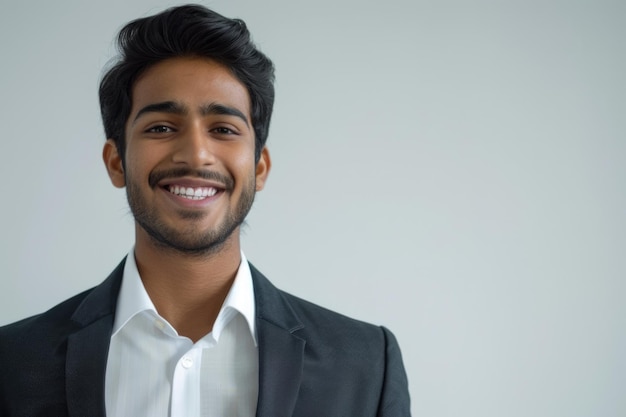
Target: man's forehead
[180,108]
[190,84]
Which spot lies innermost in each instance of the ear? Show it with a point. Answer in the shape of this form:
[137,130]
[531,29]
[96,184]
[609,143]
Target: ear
[263,169]
[113,164]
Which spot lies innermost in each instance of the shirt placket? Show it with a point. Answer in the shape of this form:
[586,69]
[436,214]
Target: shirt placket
[186,384]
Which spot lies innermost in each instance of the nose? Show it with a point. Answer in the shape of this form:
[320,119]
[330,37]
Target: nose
[194,148]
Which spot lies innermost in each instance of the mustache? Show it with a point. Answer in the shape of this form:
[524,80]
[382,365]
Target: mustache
[156,176]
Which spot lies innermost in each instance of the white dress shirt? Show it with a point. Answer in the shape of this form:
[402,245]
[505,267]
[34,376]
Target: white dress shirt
[152,371]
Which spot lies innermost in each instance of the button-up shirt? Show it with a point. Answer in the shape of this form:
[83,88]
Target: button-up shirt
[152,371]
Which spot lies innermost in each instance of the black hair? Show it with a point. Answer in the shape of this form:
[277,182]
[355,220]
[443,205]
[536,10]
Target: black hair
[193,31]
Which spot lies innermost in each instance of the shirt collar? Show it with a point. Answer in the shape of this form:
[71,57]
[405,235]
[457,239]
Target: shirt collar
[133,299]
[240,299]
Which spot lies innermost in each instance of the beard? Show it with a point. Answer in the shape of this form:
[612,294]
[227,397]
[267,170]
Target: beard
[189,240]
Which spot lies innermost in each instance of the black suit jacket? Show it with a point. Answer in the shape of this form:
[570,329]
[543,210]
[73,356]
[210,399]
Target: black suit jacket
[312,362]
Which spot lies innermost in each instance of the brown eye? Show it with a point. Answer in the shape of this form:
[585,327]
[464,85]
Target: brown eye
[160,129]
[223,131]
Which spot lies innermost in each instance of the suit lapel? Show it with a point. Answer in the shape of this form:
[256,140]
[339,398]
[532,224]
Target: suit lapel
[85,368]
[87,348]
[281,351]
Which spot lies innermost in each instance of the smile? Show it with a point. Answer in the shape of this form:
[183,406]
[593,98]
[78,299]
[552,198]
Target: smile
[192,193]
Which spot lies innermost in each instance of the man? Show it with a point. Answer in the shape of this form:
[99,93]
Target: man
[185,326]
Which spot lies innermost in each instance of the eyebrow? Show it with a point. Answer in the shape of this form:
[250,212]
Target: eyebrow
[173,107]
[163,107]
[220,109]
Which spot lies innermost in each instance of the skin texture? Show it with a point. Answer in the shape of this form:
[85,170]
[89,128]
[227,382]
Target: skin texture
[189,126]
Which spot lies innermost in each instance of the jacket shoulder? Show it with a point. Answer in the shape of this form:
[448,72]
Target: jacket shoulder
[311,321]
[50,322]
[314,315]
[89,304]
[32,357]
[336,335]
[359,363]
[33,351]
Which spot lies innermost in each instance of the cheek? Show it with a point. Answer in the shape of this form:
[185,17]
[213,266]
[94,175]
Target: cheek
[249,170]
[140,160]
[241,160]
[246,162]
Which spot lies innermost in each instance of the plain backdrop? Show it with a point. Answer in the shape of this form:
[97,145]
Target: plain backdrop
[454,171]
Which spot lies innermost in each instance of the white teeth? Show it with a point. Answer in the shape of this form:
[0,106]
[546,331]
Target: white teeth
[191,193]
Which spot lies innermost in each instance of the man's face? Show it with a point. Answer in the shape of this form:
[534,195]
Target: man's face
[189,169]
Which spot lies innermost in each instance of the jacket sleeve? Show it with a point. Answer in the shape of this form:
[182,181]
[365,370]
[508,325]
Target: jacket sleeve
[394,400]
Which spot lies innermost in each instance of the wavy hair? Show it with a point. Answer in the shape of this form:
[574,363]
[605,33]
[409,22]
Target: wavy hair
[193,31]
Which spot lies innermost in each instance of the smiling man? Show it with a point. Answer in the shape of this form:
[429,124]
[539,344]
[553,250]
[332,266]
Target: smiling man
[185,326]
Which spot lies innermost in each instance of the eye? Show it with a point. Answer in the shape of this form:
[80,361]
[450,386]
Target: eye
[225,131]
[159,129]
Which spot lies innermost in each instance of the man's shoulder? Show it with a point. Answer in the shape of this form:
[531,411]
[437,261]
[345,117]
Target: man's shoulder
[33,359]
[62,318]
[327,327]
[360,363]
[312,313]
[54,321]
[318,324]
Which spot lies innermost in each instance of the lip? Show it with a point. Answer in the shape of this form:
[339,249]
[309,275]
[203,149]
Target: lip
[191,182]
[182,202]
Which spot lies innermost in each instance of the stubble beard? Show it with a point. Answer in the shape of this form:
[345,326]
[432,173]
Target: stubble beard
[190,241]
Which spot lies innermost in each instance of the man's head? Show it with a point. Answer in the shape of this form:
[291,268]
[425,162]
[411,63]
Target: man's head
[186,31]
[186,112]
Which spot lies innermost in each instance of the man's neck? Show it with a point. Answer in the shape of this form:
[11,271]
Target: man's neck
[187,290]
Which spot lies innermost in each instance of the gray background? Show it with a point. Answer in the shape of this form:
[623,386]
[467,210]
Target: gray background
[452,170]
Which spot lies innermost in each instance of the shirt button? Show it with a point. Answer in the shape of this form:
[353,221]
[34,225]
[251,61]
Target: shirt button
[187,362]
[159,324]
